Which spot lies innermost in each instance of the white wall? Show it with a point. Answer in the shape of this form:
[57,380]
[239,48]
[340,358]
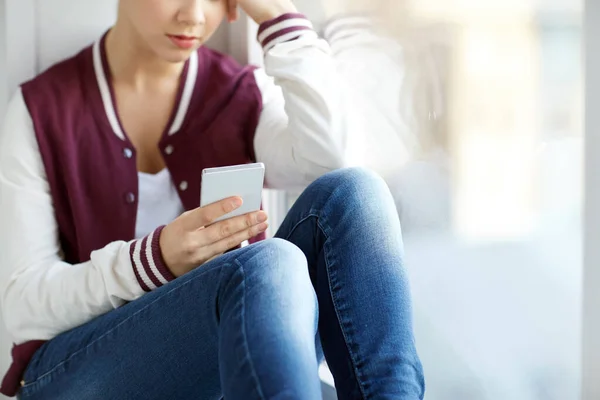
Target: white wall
[4,344]
[591,281]
[315,10]
[3,80]
[4,94]
[63,27]
[19,41]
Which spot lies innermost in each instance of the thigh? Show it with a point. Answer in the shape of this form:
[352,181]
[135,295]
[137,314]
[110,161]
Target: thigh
[162,346]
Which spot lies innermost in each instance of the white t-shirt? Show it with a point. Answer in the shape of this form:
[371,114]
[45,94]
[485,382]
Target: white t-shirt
[158,202]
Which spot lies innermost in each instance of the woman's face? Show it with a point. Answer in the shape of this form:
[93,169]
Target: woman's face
[173,29]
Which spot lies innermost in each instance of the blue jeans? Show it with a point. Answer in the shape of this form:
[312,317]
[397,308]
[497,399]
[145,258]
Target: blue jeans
[248,325]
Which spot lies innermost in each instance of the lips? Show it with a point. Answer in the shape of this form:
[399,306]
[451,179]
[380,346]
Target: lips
[183,41]
[184,37]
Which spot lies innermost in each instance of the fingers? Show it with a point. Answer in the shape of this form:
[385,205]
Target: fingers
[205,253]
[224,229]
[205,244]
[234,240]
[204,216]
[232,10]
[205,239]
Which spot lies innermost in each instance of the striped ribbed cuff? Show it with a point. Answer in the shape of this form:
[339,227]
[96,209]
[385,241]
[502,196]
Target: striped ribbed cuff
[284,28]
[148,265]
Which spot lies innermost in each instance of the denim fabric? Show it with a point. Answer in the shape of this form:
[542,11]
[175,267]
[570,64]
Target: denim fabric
[250,324]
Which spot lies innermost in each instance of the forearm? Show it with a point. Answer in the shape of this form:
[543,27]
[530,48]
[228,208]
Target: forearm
[307,126]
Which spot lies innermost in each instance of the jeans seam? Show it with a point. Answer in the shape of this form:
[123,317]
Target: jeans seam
[79,351]
[333,298]
[335,307]
[311,214]
[244,333]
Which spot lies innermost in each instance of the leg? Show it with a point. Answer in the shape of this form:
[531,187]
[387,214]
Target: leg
[242,325]
[347,226]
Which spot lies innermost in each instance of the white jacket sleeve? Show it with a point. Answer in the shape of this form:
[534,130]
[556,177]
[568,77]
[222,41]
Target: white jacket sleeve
[41,295]
[307,126]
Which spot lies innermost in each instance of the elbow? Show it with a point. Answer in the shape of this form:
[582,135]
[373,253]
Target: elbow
[338,161]
[18,312]
[341,158]
[311,165]
[334,163]
[10,316]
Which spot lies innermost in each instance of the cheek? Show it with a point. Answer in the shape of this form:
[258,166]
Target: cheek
[152,16]
[214,17]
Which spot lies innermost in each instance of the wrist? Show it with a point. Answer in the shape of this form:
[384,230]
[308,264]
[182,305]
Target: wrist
[276,11]
[147,261]
[284,28]
[158,249]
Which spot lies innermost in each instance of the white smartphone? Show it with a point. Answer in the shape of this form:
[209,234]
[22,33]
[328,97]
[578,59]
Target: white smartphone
[245,181]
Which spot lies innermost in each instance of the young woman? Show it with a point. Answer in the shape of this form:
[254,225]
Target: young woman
[115,285]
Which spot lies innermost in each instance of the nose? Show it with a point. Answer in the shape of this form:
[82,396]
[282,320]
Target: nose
[191,13]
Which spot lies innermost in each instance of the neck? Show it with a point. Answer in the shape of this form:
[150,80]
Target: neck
[131,61]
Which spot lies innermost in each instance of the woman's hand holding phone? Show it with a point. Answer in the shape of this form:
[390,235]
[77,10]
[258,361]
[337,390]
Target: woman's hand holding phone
[193,239]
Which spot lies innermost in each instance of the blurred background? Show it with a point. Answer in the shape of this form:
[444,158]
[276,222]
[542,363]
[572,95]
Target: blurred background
[487,177]
[474,113]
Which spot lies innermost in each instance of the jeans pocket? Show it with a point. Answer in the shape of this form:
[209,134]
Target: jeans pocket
[34,385]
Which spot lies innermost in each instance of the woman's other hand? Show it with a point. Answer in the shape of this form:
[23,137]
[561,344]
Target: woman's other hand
[260,10]
[193,238]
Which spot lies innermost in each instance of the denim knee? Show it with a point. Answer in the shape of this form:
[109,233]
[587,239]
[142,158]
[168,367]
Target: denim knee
[355,186]
[280,267]
[276,257]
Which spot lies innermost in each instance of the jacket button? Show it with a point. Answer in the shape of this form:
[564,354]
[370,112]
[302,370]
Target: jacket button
[169,150]
[183,186]
[127,152]
[130,198]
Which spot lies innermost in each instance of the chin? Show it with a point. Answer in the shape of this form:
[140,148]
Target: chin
[176,56]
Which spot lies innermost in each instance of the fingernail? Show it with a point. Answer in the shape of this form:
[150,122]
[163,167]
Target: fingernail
[262,217]
[235,203]
[263,227]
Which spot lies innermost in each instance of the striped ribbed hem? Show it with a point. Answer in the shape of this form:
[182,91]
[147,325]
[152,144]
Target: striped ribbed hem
[285,28]
[345,26]
[148,265]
